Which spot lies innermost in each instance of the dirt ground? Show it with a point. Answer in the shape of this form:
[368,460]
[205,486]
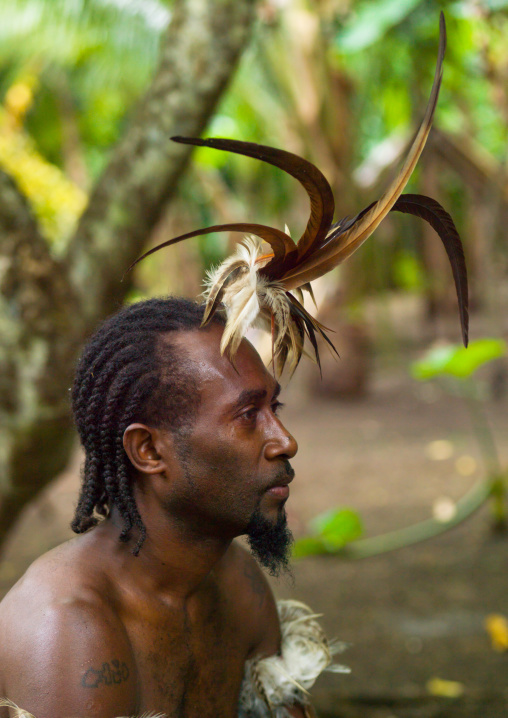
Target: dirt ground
[415,618]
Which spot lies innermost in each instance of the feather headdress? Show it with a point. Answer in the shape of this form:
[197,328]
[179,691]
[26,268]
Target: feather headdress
[263,288]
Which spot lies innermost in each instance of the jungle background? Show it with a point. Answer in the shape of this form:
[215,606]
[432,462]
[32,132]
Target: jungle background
[402,457]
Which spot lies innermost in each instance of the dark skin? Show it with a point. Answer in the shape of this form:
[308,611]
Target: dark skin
[93,631]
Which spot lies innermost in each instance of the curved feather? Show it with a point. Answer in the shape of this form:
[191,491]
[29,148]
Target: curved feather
[280,242]
[346,223]
[432,212]
[322,204]
[342,244]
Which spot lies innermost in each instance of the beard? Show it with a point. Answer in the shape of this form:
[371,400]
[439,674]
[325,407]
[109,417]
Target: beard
[270,542]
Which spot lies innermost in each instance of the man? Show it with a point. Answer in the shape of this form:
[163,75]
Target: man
[157,608]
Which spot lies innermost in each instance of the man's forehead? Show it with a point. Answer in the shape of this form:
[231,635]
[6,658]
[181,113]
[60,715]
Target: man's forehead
[216,373]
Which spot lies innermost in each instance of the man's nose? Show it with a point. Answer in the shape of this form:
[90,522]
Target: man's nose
[282,444]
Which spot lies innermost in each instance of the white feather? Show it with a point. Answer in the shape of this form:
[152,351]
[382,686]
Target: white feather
[20,713]
[284,679]
[15,711]
[242,308]
[252,300]
[242,296]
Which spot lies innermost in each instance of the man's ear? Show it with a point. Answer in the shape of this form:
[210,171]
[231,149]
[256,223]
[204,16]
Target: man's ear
[139,442]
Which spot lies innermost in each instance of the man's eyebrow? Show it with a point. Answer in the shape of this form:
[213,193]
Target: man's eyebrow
[253,395]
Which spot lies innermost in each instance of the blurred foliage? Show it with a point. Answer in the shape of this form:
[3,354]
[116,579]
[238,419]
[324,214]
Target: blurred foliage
[340,82]
[56,201]
[69,75]
[458,361]
[93,59]
[329,532]
[397,87]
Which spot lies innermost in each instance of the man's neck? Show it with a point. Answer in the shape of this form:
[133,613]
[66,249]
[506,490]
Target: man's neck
[173,562]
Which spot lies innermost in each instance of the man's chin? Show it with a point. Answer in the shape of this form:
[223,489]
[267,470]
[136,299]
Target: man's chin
[273,512]
[270,539]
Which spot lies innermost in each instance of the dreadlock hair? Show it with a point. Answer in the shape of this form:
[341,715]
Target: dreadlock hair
[130,371]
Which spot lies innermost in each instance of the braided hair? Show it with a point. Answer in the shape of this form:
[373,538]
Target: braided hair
[130,371]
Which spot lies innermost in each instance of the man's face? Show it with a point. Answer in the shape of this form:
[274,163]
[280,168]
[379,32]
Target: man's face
[229,472]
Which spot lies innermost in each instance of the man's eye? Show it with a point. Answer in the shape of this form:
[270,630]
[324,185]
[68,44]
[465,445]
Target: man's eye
[250,414]
[277,406]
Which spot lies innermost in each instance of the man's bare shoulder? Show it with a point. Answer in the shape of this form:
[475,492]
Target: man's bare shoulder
[60,577]
[253,598]
[66,651]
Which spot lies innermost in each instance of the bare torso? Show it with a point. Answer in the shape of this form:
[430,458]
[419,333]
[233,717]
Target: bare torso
[78,638]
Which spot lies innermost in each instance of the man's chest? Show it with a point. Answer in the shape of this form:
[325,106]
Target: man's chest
[190,666]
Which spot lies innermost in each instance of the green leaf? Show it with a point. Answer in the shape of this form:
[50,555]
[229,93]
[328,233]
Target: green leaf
[331,531]
[371,21]
[337,527]
[455,360]
[308,546]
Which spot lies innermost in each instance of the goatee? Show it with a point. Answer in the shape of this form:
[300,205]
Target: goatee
[270,542]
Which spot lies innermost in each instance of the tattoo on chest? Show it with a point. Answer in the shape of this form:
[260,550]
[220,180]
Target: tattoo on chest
[110,674]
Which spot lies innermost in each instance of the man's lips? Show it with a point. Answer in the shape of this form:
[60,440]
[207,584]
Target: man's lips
[280,486]
[281,491]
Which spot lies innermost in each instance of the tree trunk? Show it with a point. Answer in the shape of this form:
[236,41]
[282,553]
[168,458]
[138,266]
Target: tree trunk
[37,345]
[48,306]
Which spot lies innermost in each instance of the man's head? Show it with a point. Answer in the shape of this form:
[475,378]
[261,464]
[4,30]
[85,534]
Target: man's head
[157,405]
[128,373]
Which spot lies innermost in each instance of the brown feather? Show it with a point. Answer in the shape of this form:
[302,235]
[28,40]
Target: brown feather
[314,323]
[432,212]
[281,243]
[322,204]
